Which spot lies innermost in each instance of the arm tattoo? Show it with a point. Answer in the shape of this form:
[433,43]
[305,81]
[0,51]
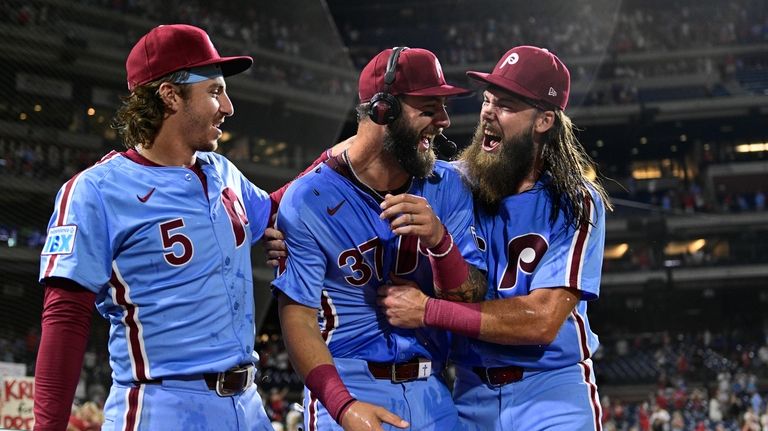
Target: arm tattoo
[472,290]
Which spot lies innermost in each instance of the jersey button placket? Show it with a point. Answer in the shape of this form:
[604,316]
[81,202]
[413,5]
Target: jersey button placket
[215,200]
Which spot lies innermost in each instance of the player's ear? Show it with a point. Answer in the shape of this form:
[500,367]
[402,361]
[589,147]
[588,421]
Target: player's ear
[169,94]
[544,121]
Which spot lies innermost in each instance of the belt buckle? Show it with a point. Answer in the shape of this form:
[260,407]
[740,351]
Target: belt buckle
[424,371]
[221,379]
[488,379]
[393,374]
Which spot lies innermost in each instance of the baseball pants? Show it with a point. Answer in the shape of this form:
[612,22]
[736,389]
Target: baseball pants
[184,405]
[564,399]
[426,404]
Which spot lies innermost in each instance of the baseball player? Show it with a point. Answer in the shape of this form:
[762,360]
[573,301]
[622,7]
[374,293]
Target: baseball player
[383,210]
[159,238]
[523,357]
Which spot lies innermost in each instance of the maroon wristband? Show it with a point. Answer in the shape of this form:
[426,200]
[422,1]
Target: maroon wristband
[449,269]
[444,245]
[458,317]
[324,381]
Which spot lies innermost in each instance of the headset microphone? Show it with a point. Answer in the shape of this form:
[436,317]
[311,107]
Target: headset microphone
[446,149]
[384,107]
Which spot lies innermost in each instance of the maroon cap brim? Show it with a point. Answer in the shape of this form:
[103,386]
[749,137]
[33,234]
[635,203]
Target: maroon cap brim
[501,82]
[442,90]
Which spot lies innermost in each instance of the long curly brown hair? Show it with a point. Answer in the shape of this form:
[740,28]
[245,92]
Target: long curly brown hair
[565,159]
[142,112]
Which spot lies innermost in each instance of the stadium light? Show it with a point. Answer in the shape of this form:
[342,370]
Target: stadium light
[752,148]
[615,251]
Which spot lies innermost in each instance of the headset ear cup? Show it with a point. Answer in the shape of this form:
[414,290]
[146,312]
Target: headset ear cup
[384,108]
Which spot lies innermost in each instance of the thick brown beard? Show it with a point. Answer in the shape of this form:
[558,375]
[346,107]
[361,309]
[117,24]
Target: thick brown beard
[402,142]
[496,176]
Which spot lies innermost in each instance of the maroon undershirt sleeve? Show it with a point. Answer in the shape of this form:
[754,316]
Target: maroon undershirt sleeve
[66,323]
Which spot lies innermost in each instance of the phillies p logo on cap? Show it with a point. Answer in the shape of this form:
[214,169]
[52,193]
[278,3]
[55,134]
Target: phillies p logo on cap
[511,59]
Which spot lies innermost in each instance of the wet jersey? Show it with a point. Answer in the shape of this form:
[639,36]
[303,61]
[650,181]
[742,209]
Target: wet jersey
[524,251]
[168,260]
[340,252]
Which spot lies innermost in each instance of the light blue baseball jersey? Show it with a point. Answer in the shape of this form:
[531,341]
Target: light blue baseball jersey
[524,252]
[168,260]
[340,252]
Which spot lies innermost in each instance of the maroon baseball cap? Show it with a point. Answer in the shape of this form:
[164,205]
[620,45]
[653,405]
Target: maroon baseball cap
[531,72]
[418,73]
[168,48]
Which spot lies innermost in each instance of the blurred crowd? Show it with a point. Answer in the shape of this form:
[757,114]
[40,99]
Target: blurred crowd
[86,417]
[582,28]
[692,197]
[703,381]
[585,29]
[43,160]
[245,24]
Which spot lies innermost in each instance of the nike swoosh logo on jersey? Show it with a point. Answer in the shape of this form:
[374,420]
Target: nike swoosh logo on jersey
[332,211]
[146,197]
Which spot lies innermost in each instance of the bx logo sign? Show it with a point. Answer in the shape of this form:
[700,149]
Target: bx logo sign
[61,240]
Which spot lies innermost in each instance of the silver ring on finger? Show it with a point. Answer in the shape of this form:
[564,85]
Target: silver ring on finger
[410,218]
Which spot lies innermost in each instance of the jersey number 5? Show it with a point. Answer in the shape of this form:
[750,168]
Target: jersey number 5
[169,239]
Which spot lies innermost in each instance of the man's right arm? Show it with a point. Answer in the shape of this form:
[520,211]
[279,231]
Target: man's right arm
[66,323]
[312,360]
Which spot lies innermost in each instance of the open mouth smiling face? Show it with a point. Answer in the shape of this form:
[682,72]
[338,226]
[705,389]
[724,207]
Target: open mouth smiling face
[425,141]
[491,141]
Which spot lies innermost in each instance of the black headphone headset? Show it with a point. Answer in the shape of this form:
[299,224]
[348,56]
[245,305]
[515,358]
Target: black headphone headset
[384,108]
